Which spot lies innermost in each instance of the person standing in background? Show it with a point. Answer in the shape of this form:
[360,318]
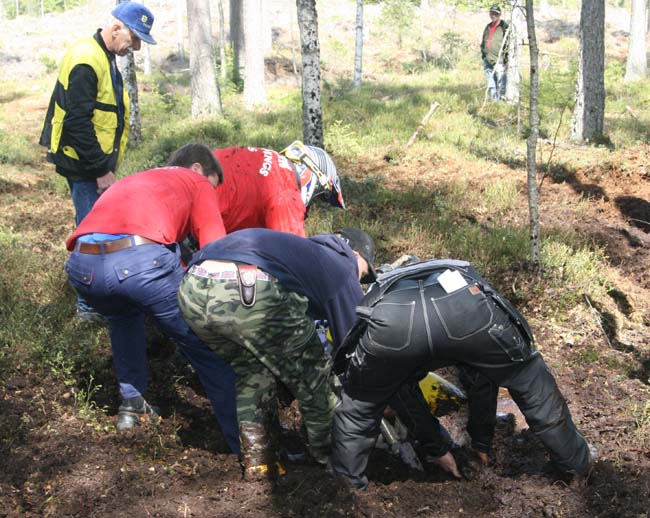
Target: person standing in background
[494,58]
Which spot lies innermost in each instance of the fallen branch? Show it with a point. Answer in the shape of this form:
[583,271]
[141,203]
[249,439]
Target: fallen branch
[433,108]
[599,321]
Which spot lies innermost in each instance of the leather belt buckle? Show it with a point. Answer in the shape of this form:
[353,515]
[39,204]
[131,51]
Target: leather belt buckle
[247,274]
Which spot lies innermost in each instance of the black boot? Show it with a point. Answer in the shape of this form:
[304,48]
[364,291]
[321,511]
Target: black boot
[258,456]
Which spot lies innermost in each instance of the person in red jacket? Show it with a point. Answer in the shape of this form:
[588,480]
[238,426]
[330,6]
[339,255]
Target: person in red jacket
[266,189]
[125,260]
[263,188]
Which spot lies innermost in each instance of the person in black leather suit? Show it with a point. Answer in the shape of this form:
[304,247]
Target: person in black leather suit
[435,314]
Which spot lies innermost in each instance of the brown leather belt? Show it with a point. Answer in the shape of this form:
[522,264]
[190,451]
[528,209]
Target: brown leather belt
[108,247]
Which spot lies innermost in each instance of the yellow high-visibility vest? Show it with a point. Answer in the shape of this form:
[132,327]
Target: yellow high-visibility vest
[105,117]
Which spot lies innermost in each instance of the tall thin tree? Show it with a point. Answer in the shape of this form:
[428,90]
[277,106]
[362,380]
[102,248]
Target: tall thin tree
[636,65]
[531,141]
[589,112]
[206,98]
[358,48]
[236,38]
[222,41]
[312,111]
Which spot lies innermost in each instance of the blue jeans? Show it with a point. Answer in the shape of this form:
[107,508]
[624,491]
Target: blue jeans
[84,195]
[125,285]
[495,77]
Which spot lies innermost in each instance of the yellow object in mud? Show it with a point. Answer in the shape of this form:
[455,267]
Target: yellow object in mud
[440,394]
[264,469]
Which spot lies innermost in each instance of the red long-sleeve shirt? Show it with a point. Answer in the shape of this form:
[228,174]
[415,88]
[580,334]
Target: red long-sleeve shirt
[164,205]
[260,190]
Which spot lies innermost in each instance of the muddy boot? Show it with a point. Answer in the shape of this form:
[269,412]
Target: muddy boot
[132,410]
[258,457]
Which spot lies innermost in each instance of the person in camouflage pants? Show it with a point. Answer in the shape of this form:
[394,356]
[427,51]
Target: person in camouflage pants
[273,339]
[271,334]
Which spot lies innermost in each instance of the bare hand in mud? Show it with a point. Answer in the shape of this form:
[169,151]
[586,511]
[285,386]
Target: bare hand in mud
[448,464]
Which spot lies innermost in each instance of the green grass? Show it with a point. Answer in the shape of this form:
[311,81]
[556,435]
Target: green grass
[16,149]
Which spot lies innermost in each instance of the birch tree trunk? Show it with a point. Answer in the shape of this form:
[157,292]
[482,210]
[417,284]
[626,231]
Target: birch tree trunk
[358,48]
[206,99]
[254,92]
[589,112]
[636,67]
[312,111]
[531,142]
[222,41]
[126,64]
[236,38]
[513,70]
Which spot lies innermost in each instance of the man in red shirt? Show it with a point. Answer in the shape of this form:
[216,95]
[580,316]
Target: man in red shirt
[266,189]
[125,261]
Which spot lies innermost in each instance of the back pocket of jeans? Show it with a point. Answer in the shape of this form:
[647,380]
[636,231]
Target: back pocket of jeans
[137,264]
[391,325]
[464,312]
[78,275]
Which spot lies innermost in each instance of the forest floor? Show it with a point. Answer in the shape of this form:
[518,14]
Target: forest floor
[60,462]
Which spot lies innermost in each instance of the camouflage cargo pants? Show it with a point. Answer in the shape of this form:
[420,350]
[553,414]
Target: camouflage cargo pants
[272,339]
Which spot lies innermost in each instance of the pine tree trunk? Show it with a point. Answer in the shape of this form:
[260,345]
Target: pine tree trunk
[589,112]
[358,48]
[312,112]
[236,39]
[531,142]
[254,92]
[206,99]
[636,67]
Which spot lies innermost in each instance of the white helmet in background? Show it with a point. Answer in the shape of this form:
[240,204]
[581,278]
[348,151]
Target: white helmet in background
[317,173]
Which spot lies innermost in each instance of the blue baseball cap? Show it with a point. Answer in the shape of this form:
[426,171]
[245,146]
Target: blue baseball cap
[137,18]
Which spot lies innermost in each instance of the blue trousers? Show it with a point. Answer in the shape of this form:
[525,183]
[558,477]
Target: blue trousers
[124,286]
[495,77]
[84,195]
